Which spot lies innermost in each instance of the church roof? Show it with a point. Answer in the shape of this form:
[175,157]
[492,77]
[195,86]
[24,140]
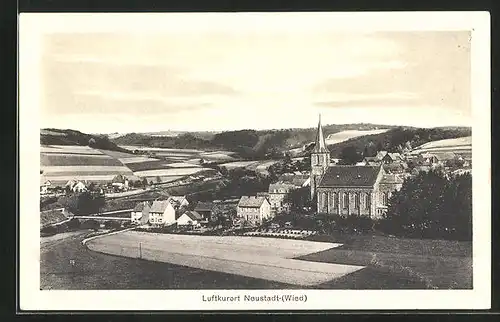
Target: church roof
[350,176]
[251,201]
[320,139]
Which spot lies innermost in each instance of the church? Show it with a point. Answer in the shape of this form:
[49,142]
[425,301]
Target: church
[347,190]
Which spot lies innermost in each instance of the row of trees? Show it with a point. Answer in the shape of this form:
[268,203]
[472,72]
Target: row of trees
[430,205]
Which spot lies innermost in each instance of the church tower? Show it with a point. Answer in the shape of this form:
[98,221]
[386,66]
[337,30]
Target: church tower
[320,159]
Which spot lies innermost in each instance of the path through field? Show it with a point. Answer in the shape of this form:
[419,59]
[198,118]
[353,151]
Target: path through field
[262,258]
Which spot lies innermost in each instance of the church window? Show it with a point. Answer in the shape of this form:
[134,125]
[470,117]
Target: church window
[384,199]
[367,201]
[356,201]
[334,200]
[345,200]
[325,200]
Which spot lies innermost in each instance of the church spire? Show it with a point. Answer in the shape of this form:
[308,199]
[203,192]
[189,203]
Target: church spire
[320,139]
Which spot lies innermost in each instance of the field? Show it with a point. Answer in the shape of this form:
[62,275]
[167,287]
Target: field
[383,262]
[346,135]
[99,271]
[464,141]
[170,172]
[262,258]
[63,163]
[238,164]
[438,264]
[462,146]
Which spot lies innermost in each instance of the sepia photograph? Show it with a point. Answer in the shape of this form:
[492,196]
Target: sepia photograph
[242,163]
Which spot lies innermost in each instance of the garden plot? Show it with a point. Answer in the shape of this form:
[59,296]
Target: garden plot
[264,258]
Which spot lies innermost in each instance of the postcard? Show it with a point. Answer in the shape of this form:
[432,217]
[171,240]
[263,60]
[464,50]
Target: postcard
[254,161]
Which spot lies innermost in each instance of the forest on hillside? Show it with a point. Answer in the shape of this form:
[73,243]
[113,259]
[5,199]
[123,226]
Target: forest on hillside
[253,144]
[396,139]
[72,137]
[247,142]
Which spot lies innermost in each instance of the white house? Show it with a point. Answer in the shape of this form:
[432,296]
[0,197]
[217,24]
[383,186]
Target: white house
[254,209]
[79,187]
[140,214]
[189,218]
[178,201]
[162,213]
[44,188]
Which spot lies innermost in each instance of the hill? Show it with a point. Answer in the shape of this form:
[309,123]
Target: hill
[395,139]
[73,137]
[247,143]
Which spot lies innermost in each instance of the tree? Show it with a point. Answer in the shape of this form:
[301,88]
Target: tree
[90,224]
[92,142]
[73,224]
[84,203]
[350,155]
[298,199]
[431,206]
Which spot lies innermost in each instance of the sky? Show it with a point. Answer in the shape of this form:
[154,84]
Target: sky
[228,80]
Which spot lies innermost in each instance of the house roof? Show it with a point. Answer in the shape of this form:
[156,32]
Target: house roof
[176,200]
[193,215]
[395,166]
[395,156]
[204,206]
[295,179]
[380,155]
[251,201]
[427,155]
[391,179]
[371,159]
[281,185]
[159,206]
[141,205]
[350,176]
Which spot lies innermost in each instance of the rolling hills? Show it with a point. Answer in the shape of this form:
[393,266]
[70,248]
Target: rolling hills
[252,144]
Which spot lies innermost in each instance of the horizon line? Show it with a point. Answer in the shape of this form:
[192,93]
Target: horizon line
[256,129]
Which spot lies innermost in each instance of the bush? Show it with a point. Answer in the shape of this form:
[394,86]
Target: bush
[112,224]
[48,231]
[73,224]
[61,228]
[90,224]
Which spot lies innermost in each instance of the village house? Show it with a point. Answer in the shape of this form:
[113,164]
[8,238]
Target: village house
[254,209]
[190,218]
[428,159]
[382,157]
[279,190]
[45,186]
[162,213]
[140,214]
[277,196]
[178,201]
[76,186]
[205,210]
[349,190]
